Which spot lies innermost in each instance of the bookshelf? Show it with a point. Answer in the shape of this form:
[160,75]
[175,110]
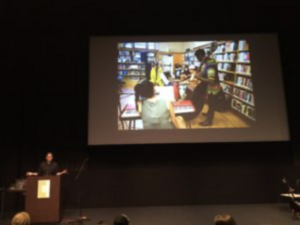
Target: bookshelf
[131,63]
[234,65]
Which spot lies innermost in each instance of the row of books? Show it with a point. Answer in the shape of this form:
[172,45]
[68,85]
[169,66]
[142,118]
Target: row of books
[226,77]
[226,88]
[246,96]
[131,73]
[244,82]
[227,47]
[226,57]
[243,69]
[140,45]
[243,45]
[151,59]
[226,66]
[124,53]
[124,59]
[131,67]
[244,57]
[243,108]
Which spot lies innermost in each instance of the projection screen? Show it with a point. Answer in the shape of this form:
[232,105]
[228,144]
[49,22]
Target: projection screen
[185,89]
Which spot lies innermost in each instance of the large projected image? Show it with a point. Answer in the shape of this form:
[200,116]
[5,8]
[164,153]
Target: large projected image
[185,85]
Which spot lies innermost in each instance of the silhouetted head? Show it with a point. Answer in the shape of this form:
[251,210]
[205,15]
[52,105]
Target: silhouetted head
[22,218]
[144,89]
[200,54]
[224,219]
[121,219]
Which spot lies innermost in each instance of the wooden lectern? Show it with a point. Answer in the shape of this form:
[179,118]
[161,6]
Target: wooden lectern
[43,199]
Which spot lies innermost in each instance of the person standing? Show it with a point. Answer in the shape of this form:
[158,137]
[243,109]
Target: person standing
[208,74]
[155,75]
[48,168]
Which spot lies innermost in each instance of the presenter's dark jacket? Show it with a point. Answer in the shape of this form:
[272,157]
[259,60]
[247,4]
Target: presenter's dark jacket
[48,169]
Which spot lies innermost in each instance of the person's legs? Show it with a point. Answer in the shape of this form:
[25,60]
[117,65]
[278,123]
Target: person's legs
[212,101]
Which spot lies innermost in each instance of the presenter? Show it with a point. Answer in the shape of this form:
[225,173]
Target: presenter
[48,168]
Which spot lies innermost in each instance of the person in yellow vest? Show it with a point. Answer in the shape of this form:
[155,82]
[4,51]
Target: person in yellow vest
[156,75]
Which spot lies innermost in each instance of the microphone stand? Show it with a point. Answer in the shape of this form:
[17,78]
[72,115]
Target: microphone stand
[81,219]
[80,194]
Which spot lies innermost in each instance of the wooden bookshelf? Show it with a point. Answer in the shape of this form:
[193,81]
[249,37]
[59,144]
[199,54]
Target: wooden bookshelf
[234,75]
[225,71]
[245,115]
[227,82]
[244,74]
[226,52]
[243,87]
[242,100]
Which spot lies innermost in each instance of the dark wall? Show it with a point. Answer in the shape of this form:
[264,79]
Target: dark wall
[45,101]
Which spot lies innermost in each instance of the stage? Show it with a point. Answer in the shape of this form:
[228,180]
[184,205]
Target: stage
[247,214]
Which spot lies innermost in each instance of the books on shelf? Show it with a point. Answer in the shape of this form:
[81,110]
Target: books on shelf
[137,57]
[131,73]
[243,95]
[219,57]
[245,69]
[243,108]
[226,57]
[220,49]
[226,77]
[244,57]
[128,45]
[140,45]
[243,45]
[151,57]
[226,88]
[131,67]
[230,46]
[244,82]
[230,57]
[227,67]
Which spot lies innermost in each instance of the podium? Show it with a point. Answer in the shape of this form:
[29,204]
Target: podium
[43,199]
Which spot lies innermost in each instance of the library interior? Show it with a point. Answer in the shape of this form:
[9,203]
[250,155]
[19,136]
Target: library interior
[191,85]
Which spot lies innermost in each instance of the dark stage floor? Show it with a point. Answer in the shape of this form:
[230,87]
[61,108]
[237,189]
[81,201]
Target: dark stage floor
[248,214]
